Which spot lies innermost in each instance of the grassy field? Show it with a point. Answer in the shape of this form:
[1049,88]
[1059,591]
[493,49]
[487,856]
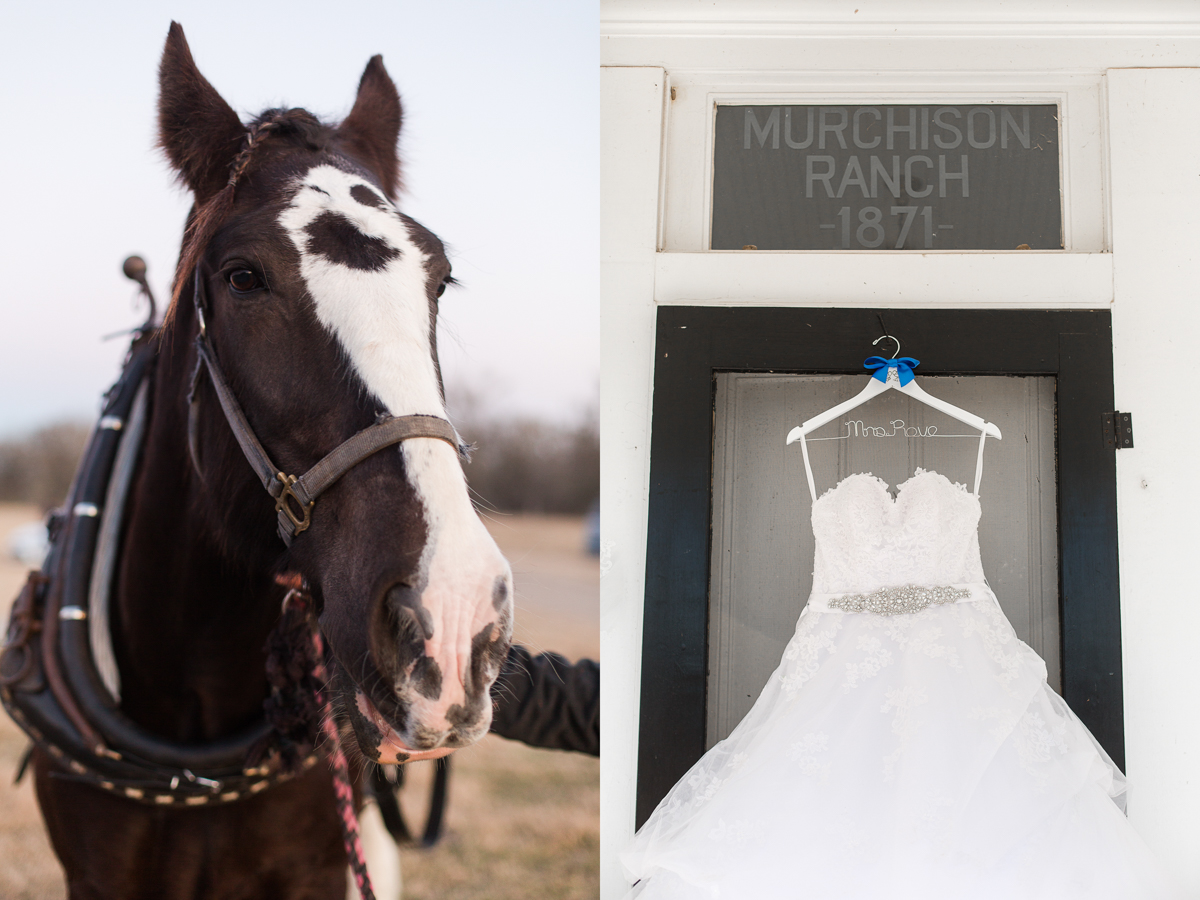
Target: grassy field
[521,822]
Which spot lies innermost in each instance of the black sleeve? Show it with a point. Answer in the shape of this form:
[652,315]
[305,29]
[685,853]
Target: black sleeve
[545,701]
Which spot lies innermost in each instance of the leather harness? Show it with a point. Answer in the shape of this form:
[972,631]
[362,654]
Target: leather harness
[49,682]
[48,678]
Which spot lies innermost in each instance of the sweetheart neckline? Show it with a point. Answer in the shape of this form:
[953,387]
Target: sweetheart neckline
[875,479]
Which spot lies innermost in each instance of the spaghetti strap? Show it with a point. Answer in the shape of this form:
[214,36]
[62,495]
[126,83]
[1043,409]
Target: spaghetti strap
[979,462]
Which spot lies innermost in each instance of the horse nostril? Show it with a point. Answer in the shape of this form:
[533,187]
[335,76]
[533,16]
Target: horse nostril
[500,592]
[404,602]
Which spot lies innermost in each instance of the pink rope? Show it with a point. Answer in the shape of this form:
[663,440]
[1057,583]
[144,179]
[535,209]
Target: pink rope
[332,750]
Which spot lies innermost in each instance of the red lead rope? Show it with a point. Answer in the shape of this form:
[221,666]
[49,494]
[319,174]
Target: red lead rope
[297,598]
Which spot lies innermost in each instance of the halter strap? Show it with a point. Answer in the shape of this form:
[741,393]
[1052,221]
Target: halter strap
[295,495]
[812,487]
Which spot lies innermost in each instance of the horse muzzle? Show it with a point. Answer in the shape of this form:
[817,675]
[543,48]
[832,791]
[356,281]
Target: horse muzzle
[392,748]
[435,652]
[419,714]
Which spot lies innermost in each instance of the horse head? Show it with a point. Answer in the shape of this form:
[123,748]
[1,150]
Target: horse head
[320,304]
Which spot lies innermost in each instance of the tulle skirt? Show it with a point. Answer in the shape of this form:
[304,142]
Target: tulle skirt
[918,756]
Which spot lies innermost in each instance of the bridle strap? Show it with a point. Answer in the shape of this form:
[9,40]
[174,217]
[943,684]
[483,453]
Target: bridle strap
[295,495]
[369,441]
[238,423]
[305,489]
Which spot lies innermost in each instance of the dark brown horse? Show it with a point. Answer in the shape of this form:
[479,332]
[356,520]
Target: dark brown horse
[321,301]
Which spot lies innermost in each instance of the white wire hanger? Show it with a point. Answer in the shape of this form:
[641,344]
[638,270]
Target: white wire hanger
[897,375]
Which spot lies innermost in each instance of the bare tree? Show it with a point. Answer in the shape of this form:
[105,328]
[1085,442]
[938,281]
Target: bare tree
[520,464]
[39,468]
[524,464]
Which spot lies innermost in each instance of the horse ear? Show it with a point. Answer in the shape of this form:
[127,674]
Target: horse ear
[373,126]
[199,131]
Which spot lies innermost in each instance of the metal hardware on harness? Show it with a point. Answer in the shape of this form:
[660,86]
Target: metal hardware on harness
[299,523]
[195,779]
[134,268]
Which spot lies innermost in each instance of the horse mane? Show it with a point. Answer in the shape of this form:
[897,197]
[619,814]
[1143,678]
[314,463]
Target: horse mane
[298,124]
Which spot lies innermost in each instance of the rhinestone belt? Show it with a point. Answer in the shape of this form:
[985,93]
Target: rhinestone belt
[899,600]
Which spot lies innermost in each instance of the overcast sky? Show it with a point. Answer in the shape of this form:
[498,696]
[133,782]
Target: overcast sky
[500,154]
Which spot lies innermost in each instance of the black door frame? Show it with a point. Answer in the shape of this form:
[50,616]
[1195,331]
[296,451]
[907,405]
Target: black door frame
[694,343]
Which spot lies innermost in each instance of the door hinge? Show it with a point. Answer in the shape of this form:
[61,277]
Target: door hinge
[1118,430]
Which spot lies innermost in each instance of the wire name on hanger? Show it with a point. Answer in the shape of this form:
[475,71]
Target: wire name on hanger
[859,428]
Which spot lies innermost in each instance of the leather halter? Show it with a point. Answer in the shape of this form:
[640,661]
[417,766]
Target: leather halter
[295,495]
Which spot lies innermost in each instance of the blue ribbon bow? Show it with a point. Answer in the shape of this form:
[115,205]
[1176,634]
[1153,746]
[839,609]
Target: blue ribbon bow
[903,366]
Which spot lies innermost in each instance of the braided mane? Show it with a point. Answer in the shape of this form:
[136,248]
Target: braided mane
[204,221]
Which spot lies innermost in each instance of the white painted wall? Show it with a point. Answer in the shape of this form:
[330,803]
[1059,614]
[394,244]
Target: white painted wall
[1147,183]
[631,114]
[1155,165]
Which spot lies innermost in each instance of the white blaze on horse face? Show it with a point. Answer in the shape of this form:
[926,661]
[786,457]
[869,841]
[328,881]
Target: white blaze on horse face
[368,288]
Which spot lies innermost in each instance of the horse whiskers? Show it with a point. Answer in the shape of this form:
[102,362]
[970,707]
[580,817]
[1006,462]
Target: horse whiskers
[492,515]
[502,690]
[485,504]
[362,664]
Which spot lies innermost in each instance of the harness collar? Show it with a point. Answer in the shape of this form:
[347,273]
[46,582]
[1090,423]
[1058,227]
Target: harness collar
[49,682]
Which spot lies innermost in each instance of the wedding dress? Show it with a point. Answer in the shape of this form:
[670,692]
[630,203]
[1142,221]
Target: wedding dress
[906,746]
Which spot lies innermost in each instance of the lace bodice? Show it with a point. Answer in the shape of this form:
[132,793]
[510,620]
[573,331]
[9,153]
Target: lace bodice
[866,540]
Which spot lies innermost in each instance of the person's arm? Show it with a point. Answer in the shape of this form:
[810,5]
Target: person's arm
[545,701]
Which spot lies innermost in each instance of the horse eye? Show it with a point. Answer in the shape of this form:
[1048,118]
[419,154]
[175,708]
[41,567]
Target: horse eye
[244,281]
[441,289]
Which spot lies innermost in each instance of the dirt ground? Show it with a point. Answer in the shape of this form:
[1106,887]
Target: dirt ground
[521,822]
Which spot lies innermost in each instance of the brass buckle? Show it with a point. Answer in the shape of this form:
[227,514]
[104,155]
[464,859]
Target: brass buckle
[299,523]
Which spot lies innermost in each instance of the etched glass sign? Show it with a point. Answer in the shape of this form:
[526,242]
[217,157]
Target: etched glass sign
[886,178]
